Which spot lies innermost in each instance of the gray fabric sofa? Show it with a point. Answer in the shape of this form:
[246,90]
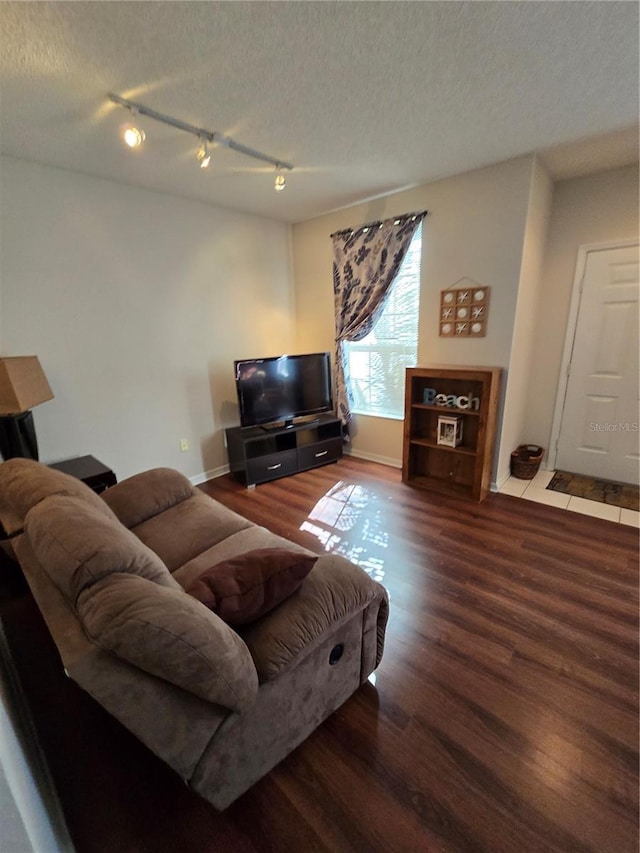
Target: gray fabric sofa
[221,705]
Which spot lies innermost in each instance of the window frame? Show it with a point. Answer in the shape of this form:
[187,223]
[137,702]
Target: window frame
[388,349]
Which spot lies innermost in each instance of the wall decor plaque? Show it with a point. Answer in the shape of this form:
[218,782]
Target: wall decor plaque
[464,311]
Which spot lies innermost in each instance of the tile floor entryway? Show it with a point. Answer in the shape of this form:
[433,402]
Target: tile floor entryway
[536,490]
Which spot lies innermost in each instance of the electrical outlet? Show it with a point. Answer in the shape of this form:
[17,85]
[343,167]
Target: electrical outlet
[184,444]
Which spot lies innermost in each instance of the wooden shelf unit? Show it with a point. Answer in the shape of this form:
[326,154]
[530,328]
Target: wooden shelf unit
[463,470]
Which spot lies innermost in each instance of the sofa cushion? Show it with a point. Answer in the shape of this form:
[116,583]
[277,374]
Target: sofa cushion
[169,634]
[78,545]
[246,587]
[187,529]
[25,482]
[146,495]
[250,539]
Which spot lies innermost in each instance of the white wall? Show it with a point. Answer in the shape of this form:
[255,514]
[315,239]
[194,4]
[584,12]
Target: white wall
[515,424]
[475,228]
[136,303]
[592,209]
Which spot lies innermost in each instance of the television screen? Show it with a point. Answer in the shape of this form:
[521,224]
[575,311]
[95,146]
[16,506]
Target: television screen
[283,387]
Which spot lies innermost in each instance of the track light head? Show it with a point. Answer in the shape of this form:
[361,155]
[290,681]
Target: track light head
[280,182]
[203,156]
[133,135]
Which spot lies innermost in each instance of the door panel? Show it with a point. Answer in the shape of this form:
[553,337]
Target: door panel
[599,430]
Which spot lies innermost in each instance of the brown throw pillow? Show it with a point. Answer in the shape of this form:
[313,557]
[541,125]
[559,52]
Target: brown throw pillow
[243,588]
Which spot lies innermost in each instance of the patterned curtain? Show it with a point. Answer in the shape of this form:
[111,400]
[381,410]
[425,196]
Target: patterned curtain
[365,263]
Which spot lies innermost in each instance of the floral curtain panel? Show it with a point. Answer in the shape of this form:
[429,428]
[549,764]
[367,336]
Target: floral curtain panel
[365,263]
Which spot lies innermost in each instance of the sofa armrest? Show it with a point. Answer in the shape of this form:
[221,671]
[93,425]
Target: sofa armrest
[146,495]
[174,724]
[169,634]
[331,594]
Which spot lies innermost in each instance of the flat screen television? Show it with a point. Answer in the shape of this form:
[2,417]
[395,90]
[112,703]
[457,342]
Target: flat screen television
[282,388]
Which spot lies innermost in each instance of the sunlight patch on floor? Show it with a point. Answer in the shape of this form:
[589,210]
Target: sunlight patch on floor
[348,520]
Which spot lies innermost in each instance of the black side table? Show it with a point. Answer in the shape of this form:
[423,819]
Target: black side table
[88,469]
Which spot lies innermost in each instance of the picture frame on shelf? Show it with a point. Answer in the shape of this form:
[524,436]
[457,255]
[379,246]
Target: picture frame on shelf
[449,430]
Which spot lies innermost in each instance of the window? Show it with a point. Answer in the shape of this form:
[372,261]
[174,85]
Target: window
[376,364]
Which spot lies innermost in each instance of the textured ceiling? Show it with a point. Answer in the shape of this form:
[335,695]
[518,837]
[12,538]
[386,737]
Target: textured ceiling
[364,98]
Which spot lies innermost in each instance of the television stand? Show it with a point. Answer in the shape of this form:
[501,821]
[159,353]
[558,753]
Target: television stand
[257,455]
[289,423]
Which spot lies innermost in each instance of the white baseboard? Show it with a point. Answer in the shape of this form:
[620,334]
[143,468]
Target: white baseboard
[373,457]
[199,479]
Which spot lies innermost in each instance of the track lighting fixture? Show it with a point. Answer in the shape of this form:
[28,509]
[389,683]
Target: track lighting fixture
[203,156]
[280,182]
[134,136]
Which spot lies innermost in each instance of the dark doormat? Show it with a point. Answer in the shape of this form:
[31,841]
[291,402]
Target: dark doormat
[604,491]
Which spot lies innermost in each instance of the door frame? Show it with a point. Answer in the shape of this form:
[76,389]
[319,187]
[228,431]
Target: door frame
[572,323]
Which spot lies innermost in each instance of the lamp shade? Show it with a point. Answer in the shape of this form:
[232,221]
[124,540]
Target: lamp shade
[22,384]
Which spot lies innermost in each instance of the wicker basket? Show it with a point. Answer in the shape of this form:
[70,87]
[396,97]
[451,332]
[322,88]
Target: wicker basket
[525,461]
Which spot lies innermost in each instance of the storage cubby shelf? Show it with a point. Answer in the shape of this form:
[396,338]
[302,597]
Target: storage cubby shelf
[460,471]
[257,455]
[427,442]
[442,410]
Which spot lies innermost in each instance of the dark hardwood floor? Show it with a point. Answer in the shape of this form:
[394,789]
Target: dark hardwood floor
[504,714]
[505,708]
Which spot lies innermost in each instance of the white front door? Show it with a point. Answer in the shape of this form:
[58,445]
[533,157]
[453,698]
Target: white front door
[599,430]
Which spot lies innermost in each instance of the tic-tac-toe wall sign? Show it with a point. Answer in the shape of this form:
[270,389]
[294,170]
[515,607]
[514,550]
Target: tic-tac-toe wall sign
[464,311]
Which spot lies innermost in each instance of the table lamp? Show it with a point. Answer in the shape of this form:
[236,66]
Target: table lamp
[22,386]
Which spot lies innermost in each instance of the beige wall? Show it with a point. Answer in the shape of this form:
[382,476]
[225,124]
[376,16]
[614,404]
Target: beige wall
[515,424]
[475,228]
[136,303]
[593,209]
